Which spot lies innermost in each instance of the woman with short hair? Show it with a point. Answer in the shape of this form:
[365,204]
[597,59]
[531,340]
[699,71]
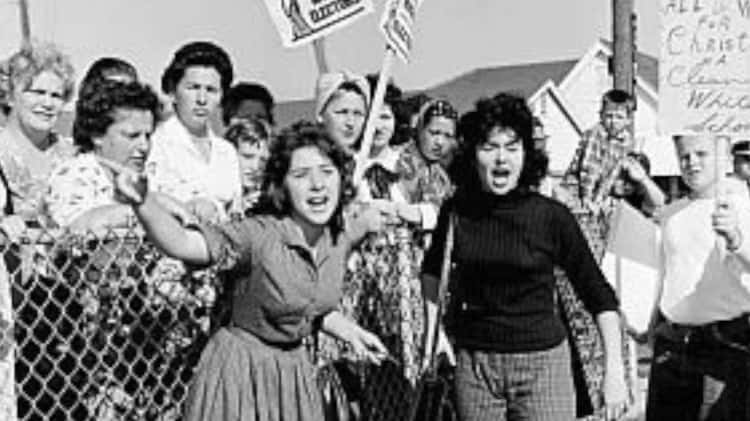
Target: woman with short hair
[40,82]
[188,160]
[114,122]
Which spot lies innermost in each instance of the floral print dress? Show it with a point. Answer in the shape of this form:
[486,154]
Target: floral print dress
[382,290]
[27,175]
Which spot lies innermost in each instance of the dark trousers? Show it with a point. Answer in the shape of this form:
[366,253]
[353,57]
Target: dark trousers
[700,373]
[528,386]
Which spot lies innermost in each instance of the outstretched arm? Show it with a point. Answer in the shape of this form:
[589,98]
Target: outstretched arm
[166,232]
[162,226]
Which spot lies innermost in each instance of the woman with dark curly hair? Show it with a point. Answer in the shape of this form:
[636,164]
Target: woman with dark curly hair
[513,359]
[188,160]
[288,261]
[113,122]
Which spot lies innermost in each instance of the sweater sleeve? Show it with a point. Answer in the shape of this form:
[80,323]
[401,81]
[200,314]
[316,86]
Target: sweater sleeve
[575,257]
[433,259]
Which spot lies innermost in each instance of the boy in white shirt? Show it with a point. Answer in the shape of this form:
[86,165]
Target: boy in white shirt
[701,362]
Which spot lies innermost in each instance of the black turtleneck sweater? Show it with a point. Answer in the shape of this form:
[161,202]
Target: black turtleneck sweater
[505,249]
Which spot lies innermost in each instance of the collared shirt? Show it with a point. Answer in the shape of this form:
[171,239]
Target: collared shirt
[282,284]
[702,281]
[176,167]
[76,186]
[596,164]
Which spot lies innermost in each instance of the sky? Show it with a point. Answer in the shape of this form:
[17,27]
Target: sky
[451,36]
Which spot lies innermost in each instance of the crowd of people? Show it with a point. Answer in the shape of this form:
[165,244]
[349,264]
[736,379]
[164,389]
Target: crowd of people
[357,266]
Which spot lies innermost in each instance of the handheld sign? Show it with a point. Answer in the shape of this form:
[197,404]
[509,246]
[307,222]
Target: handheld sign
[704,71]
[302,21]
[397,25]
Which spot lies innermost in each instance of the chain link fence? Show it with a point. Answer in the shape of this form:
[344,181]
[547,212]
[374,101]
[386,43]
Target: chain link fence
[383,293]
[105,328]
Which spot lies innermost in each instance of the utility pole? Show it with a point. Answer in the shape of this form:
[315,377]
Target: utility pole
[623,54]
[23,10]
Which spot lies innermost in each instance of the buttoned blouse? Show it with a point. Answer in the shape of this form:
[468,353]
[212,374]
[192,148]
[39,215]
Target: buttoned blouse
[177,168]
[282,285]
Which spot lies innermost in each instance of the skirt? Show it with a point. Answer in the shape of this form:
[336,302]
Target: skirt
[239,377]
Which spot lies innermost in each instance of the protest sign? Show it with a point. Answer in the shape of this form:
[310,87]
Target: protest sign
[704,72]
[397,25]
[302,21]
[631,264]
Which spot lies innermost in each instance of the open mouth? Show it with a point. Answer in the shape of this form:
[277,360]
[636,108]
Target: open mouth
[500,173]
[318,203]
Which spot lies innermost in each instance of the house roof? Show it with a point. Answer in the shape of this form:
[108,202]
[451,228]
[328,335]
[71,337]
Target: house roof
[522,79]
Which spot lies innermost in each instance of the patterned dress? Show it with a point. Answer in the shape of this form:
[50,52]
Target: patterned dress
[382,290]
[587,183]
[76,186]
[27,173]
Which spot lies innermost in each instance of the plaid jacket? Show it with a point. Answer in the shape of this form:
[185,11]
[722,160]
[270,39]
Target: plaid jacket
[596,166]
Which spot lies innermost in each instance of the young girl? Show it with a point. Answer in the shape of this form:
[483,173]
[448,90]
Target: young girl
[288,261]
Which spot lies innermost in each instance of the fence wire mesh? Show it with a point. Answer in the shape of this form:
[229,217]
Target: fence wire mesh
[382,292]
[105,328]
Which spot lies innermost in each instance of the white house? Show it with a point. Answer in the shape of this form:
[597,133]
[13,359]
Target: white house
[566,96]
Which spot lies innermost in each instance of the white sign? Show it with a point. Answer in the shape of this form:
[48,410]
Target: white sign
[704,72]
[631,264]
[302,21]
[397,25]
